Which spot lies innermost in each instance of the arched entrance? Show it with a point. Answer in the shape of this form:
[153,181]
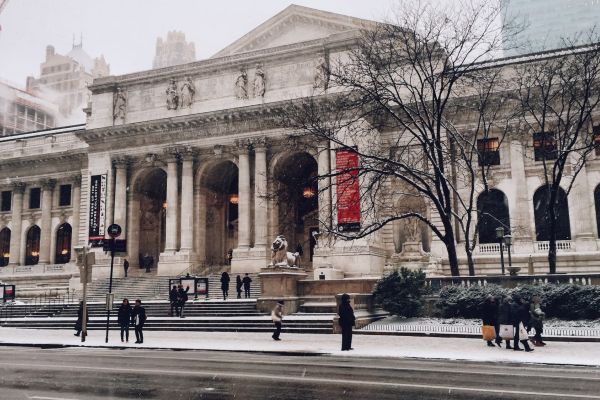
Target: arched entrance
[32,246]
[62,252]
[150,203]
[492,210]
[296,197]
[219,183]
[4,247]
[541,198]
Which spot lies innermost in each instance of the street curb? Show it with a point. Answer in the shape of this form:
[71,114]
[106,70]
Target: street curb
[473,336]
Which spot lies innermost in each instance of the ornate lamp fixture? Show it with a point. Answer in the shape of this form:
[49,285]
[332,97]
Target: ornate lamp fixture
[308,192]
[234,198]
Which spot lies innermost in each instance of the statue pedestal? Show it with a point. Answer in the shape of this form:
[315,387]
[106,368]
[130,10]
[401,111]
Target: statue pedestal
[279,284]
[412,257]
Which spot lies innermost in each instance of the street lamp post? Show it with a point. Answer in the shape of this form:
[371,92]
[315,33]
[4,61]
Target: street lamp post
[500,237]
[508,241]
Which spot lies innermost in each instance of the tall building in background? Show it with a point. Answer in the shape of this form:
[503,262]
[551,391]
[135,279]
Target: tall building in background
[547,22]
[64,80]
[174,50]
[21,111]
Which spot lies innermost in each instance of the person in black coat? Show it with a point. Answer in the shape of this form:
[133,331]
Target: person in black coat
[138,319]
[490,317]
[225,284]
[125,267]
[246,281]
[238,286]
[346,321]
[182,298]
[504,316]
[124,318]
[519,311]
[79,322]
[173,299]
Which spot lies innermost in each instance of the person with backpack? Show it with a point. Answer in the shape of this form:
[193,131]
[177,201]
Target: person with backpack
[138,319]
[124,318]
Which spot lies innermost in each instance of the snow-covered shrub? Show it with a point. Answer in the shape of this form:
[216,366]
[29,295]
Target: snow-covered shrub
[401,292]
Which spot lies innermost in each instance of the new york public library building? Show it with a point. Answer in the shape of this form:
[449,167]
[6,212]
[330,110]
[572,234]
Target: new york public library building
[192,163]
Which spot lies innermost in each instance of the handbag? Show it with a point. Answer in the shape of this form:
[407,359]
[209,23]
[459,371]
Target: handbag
[523,334]
[507,332]
[488,332]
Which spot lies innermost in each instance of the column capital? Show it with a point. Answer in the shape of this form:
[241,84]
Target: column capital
[121,162]
[260,143]
[188,153]
[48,184]
[243,146]
[322,145]
[173,154]
[18,187]
[76,180]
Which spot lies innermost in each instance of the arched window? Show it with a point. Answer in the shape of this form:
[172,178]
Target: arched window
[4,247]
[62,253]
[541,198]
[492,209]
[597,202]
[32,246]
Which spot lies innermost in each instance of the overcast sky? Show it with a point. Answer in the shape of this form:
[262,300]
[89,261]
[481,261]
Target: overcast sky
[125,31]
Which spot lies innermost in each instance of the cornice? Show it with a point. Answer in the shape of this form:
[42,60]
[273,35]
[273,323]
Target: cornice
[34,160]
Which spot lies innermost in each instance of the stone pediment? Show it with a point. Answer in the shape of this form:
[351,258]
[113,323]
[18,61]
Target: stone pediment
[295,24]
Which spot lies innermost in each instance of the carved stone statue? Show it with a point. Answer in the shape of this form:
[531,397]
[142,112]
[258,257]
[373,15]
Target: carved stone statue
[241,85]
[259,82]
[119,104]
[321,78]
[280,257]
[172,96]
[413,230]
[188,91]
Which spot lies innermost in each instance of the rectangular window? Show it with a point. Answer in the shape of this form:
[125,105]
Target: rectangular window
[489,151]
[6,200]
[65,195]
[544,146]
[596,133]
[34,198]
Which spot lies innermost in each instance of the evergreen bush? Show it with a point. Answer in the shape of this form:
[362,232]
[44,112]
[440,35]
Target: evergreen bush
[401,292]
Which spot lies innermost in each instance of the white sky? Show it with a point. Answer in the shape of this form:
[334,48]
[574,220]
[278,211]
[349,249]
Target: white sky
[125,31]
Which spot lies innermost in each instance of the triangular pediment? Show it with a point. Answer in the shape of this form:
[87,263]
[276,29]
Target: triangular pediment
[295,24]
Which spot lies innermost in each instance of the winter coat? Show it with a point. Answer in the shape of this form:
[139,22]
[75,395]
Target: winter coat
[504,314]
[346,313]
[238,284]
[182,296]
[124,314]
[277,314]
[246,281]
[519,313]
[536,315]
[490,313]
[138,316]
[225,281]
[173,295]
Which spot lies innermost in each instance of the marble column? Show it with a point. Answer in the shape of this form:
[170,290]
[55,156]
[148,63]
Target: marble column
[187,202]
[76,207]
[120,207]
[244,196]
[17,225]
[520,217]
[172,204]
[324,187]
[46,229]
[260,194]
[580,204]
[200,223]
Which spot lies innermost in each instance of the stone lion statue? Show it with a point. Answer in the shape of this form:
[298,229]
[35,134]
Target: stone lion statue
[280,257]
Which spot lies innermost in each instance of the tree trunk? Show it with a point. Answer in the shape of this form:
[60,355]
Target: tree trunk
[452,256]
[552,243]
[470,262]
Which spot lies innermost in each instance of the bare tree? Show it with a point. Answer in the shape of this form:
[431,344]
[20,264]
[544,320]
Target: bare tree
[559,93]
[399,100]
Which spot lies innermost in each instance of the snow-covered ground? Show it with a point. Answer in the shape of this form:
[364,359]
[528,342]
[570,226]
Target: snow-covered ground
[364,345]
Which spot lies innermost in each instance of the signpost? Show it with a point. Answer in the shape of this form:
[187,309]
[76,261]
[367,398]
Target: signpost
[114,231]
[85,261]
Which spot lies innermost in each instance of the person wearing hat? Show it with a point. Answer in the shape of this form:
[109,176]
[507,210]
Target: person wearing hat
[346,321]
[277,317]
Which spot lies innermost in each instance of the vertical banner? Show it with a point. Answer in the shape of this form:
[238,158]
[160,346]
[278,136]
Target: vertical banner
[97,210]
[347,190]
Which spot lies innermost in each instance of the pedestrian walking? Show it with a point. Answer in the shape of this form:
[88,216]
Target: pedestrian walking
[346,321]
[182,297]
[246,281]
[519,311]
[507,331]
[79,322]
[124,318]
[491,327]
[138,319]
[277,317]
[125,267]
[225,284]
[238,286]
[173,299]
[537,320]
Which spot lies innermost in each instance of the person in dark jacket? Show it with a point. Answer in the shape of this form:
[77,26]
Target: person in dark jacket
[519,311]
[125,267]
[537,320]
[124,318]
[173,298]
[504,316]
[277,318]
[246,281]
[138,319]
[225,284]
[182,298]
[79,322]
[490,317]
[346,321]
[238,286]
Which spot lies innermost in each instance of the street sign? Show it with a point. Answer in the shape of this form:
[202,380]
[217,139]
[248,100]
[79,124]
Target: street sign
[114,231]
[120,246]
[110,299]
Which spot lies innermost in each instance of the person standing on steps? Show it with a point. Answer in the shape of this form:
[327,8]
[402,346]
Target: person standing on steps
[238,286]
[346,321]
[124,318]
[277,317]
[173,295]
[125,267]
[246,281]
[182,298]
[225,284]
[138,319]
[79,322]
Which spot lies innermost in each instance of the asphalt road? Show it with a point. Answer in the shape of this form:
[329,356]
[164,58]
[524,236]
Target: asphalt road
[91,374]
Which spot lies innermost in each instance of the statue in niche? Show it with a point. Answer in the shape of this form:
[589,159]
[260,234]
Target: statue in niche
[241,85]
[413,230]
[188,90]
[119,104]
[259,82]
[172,96]
[321,78]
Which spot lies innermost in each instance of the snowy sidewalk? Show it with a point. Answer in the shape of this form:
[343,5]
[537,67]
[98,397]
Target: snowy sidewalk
[364,345]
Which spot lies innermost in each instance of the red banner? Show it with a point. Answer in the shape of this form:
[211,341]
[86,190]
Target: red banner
[347,189]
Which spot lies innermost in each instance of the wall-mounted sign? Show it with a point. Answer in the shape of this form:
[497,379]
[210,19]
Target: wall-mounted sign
[347,190]
[97,210]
